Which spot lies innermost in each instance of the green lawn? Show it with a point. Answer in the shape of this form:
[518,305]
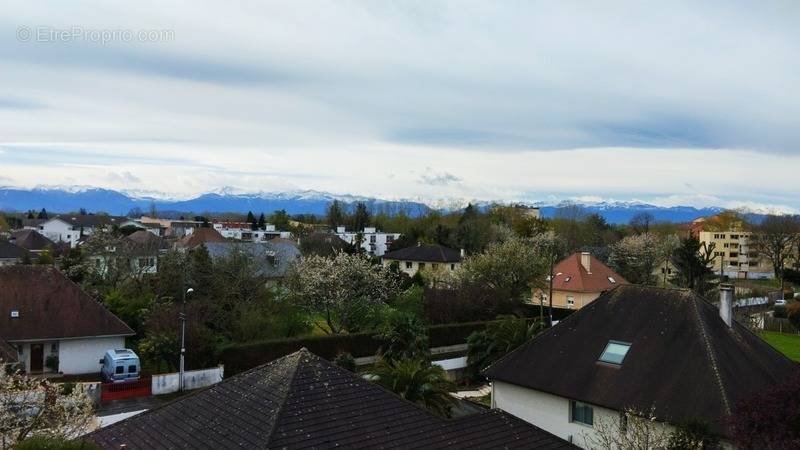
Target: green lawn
[788,344]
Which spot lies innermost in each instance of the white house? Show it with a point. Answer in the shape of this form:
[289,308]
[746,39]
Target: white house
[72,228]
[636,347]
[53,325]
[372,241]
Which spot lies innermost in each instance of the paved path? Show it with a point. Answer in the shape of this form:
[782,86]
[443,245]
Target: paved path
[483,390]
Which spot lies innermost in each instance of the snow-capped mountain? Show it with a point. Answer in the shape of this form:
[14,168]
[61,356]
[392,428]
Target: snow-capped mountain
[235,200]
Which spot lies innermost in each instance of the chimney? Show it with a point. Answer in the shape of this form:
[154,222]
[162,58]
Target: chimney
[463,253]
[726,303]
[586,261]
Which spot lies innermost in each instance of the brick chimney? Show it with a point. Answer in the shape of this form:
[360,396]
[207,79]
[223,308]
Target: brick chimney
[726,303]
[586,261]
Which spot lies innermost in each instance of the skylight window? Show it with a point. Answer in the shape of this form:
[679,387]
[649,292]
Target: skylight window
[615,352]
[611,279]
[567,279]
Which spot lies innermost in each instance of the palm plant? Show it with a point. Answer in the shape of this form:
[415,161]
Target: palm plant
[417,381]
[498,339]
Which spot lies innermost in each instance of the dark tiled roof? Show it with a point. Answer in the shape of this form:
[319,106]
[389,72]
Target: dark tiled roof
[426,253]
[683,359]
[572,276]
[31,240]
[11,251]
[50,306]
[146,242]
[91,220]
[201,236]
[303,401]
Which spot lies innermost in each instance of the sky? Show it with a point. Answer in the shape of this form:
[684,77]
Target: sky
[671,103]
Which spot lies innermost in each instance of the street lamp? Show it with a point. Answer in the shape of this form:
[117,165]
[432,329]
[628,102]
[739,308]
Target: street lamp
[183,335]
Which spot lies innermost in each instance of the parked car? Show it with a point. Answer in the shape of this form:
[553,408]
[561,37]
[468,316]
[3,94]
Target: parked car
[780,302]
[120,365]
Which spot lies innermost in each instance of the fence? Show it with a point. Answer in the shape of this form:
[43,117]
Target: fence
[128,389]
[192,379]
[779,325]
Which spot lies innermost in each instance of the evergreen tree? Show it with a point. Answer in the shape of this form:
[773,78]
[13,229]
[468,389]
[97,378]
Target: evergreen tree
[262,222]
[362,217]
[335,214]
[280,219]
[42,214]
[201,272]
[251,219]
[692,262]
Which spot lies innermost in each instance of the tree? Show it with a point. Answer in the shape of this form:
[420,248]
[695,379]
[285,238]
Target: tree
[418,382]
[508,269]
[251,219]
[262,222]
[404,336]
[692,262]
[281,220]
[640,223]
[635,257]
[339,290]
[42,214]
[335,214]
[769,419]
[73,264]
[693,435]
[32,406]
[775,239]
[634,430]
[497,340]
[362,217]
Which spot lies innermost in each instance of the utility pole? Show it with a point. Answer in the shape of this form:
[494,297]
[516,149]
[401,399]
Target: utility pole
[550,303]
[183,336]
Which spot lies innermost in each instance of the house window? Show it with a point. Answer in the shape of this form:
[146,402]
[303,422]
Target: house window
[434,266]
[615,352]
[570,301]
[119,370]
[53,348]
[452,267]
[581,413]
[409,264]
[132,369]
[421,266]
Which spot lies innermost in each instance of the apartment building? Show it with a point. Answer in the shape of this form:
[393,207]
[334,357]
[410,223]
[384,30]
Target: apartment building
[372,241]
[734,254]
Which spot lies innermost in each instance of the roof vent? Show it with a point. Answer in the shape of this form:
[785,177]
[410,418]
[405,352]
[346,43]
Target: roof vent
[14,313]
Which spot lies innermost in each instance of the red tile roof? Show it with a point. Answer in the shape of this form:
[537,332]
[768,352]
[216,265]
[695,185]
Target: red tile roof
[51,306]
[570,275]
[202,236]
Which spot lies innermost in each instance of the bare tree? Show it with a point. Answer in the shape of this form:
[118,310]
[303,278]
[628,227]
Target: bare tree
[775,239]
[641,222]
[632,430]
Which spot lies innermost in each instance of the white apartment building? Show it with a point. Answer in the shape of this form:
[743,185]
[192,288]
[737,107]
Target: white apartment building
[242,231]
[373,241]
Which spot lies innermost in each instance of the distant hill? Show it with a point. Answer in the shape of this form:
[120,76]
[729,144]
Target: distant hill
[64,199]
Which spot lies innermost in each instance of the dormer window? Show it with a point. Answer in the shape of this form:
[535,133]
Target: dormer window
[615,352]
[567,279]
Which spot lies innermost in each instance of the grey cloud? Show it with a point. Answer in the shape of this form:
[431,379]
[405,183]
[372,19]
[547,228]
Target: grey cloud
[123,177]
[437,178]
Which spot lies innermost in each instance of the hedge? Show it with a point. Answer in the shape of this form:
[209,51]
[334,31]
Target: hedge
[240,357]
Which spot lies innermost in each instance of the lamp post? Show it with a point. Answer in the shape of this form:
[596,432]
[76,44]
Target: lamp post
[183,335]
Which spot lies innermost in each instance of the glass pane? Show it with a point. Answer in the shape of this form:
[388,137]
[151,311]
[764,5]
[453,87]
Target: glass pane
[131,369]
[119,369]
[615,352]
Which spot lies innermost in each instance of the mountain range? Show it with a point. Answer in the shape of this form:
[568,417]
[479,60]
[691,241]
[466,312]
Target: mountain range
[228,200]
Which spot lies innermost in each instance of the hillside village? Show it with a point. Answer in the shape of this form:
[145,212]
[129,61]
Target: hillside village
[484,328]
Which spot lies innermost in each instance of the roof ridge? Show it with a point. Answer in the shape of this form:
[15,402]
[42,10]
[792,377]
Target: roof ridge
[710,352]
[287,391]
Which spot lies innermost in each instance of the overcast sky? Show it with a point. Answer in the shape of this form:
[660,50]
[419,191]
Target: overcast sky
[512,100]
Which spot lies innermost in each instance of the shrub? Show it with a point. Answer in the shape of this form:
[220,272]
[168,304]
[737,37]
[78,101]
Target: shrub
[345,361]
[49,443]
[51,362]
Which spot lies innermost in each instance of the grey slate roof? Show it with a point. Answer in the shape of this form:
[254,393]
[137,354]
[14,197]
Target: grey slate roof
[90,220]
[272,258]
[31,240]
[426,253]
[303,401]
[11,251]
[683,359]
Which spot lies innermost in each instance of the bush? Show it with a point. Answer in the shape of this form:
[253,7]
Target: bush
[345,361]
[51,362]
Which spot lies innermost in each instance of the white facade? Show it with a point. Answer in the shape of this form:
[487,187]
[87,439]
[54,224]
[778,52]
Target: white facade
[75,356]
[58,230]
[411,267]
[373,241]
[247,234]
[551,412]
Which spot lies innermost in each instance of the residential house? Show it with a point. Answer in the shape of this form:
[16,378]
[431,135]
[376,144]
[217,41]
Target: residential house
[272,259]
[10,253]
[32,241]
[374,242]
[303,401]
[72,229]
[636,347]
[577,280]
[135,255]
[198,237]
[53,324]
[424,256]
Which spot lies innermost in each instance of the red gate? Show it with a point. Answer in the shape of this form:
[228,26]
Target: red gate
[126,389]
